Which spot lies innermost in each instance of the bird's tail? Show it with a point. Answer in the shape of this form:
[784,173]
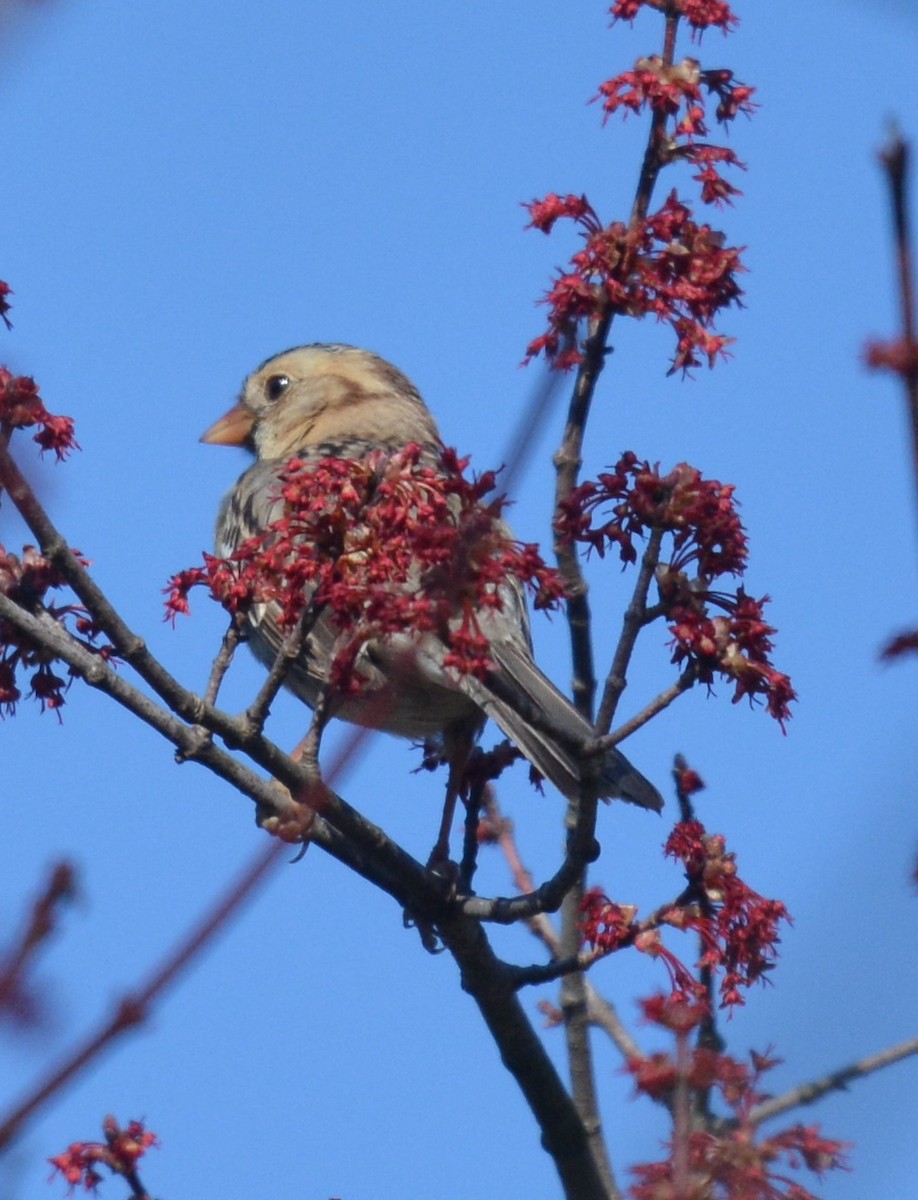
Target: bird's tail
[546,727]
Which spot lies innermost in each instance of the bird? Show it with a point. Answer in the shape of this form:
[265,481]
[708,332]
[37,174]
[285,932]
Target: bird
[331,400]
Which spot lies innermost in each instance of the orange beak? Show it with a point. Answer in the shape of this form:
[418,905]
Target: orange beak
[233,429]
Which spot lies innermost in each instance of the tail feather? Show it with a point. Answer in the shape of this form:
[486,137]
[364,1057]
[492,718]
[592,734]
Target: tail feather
[546,727]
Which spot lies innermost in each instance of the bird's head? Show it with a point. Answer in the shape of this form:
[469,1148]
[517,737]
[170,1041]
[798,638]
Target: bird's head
[324,394]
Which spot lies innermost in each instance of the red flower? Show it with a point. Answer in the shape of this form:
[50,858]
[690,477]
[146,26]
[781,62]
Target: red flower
[22,407]
[730,1157]
[120,1153]
[665,265]
[707,540]
[700,14]
[668,267]
[737,926]
[26,580]
[545,213]
[699,514]
[606,926]
[904,643]
[663,88]
[353,531]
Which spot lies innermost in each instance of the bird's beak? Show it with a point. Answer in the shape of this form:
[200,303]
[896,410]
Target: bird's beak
[233,429]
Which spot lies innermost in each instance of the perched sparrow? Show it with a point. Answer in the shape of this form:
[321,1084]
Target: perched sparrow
[332,401]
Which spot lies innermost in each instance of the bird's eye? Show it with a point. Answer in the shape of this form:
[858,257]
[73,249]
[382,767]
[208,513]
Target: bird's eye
[275,386]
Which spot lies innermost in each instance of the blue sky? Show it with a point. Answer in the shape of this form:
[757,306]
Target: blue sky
[185,195]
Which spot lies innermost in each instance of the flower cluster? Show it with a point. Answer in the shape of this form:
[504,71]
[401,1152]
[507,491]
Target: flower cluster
[668,266]
[607,927]
[604,925]
[899,356]
[5,290]
[675,90]
[26,580]
[706,540]
[385,544]
[21,1001]
[664,264]
[902,643]
[21,407]
[700,515]
[700,14]
[738,927]
[120,1153]
[737,646]
[733,1157]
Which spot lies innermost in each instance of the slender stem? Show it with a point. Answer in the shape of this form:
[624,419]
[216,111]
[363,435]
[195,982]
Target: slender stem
[290,651]
[895,160]
[221,663]
[133,1009]
[685,681]
[604,1016]
[633,621]
[343,831]
[568,461]
[539,973]
[807,1093]
[656,154]
[681,1111]
[41,923]
[469,863]
[574,1007]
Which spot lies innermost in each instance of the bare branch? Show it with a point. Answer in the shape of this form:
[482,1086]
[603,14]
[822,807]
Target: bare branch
[221,664]
[634,620]
[895,161]
[289,652]
[133,1009]
[808,1093]
[490,984]
[370,851]
[604,1016]
[685,681]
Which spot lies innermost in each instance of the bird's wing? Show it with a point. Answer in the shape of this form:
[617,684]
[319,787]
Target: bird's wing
[543,723]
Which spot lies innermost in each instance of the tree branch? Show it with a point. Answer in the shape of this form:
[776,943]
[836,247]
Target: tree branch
[634,620]
[895,162]
[488,981]
[808,1093]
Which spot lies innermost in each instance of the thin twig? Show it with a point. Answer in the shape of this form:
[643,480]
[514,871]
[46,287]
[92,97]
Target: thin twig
[807,1093]
[134,1008]
[521,443]
[360,844]
[635,618]
[539,973]
[574,1008]
[290,651]
[41,923]
[468,864]
[895,161]
[604,1016]
[685,681]
[221,664]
